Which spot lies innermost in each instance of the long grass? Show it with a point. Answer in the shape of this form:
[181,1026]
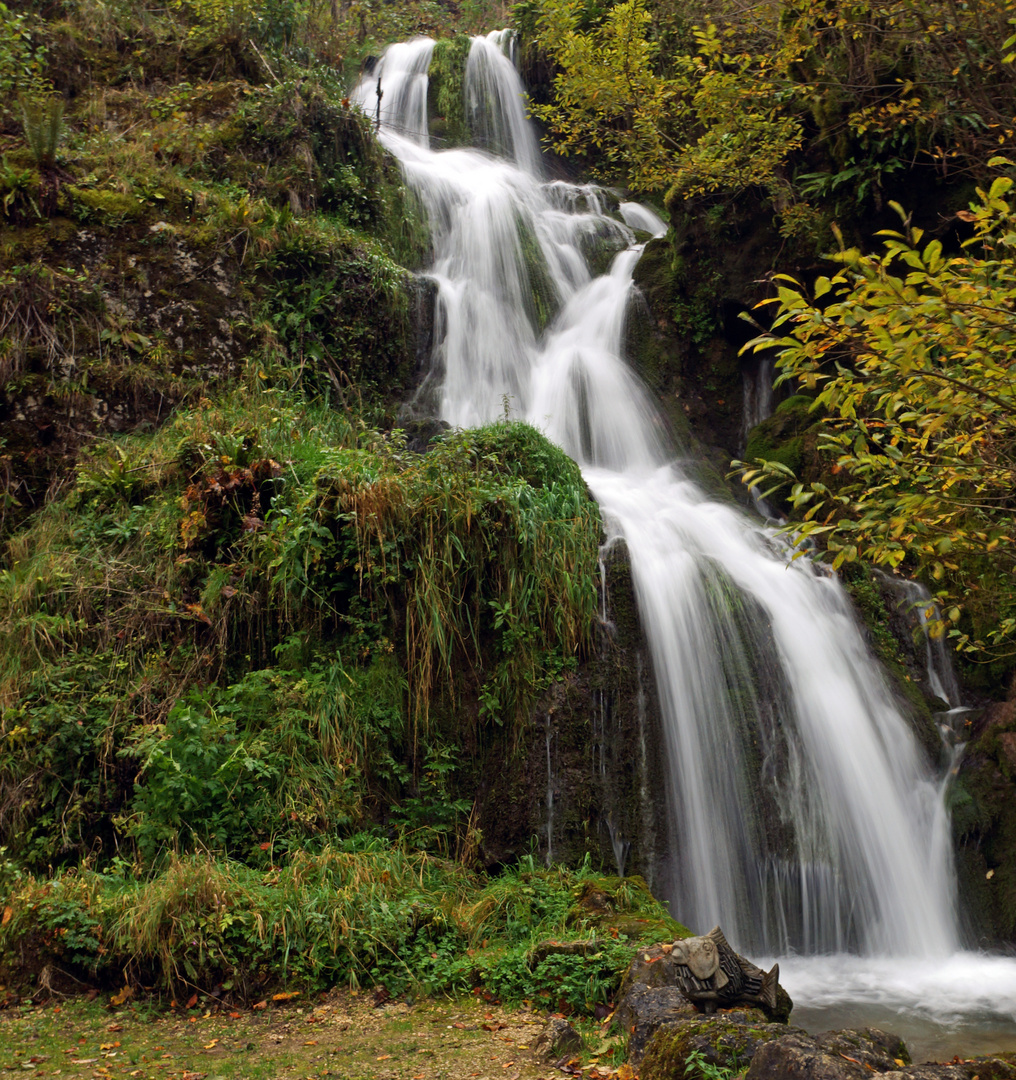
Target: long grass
[382,916]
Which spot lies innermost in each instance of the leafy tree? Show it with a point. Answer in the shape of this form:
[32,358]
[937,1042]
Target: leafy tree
[700,121]
[911,354]
[702,97]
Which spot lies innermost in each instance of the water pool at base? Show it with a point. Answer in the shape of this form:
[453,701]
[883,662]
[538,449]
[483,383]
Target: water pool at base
[964,1004]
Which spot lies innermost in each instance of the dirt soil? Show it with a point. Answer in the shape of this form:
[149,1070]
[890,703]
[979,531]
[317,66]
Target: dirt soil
[339,1034]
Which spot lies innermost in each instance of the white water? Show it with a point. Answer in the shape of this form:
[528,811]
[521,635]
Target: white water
[761,669]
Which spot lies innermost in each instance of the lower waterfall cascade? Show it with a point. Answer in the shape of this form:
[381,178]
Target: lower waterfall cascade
[859,891]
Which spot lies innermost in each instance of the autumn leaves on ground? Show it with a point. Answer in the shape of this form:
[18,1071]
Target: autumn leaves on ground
[344,1034]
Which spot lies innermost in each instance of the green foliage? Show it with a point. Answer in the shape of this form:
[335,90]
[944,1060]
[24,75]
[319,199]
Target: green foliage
[831,103]
[910,352]
[926,81]
[687,123]
[697,1066]
[18,190]
[251,612]
[22,55]
[198,779]
[366,913]
[42,122]
[445,91]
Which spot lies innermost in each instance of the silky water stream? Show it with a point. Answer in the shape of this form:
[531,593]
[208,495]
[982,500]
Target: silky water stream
[839,860]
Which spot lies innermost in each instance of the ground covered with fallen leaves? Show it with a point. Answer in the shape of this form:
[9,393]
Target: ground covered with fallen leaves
[339,1034]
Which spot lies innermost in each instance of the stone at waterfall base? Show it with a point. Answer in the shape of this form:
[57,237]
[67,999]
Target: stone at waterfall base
[833,1055]
[646,1008]
[726,1040]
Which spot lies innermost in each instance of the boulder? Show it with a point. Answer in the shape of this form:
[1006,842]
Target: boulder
[833,1055]
[652,967]
[557,1040]
[999,1067]
[644,1009]
[725,1040]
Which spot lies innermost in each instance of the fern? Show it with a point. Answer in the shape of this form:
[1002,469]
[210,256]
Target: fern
[42,120]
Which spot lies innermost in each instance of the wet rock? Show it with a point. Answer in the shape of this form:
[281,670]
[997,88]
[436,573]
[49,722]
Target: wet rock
[558,1039]
[726,1040]
[1002,1067]
[833,1055]
[645,1009]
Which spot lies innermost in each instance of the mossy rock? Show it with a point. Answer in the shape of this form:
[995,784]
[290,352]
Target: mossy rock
[780,437]
[622,904]
[104,207]
[884,635]
[446,105]
[724,1041]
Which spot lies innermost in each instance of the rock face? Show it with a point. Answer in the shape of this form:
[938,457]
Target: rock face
[588,781]
[983,805]
[644,1010]
[833,1055]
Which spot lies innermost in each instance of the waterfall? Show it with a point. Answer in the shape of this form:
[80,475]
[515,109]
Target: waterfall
[803,816]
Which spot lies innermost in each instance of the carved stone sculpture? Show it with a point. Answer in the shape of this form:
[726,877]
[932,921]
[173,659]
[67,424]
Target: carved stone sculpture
[711,975]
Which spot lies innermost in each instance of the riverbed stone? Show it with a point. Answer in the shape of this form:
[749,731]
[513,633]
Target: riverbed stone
[832,1055]
[726,1040]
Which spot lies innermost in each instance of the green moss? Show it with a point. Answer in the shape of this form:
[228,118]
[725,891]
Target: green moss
[104,207]
[870,606]
[698,1047]
[624,904]
[542,298]
[780,436]
[445,97]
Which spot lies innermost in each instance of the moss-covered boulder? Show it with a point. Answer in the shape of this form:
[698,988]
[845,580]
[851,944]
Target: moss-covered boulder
[622,904]
[644,1010]
[693,1047]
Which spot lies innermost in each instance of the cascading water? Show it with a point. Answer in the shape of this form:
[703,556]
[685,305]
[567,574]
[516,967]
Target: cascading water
[760,666]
